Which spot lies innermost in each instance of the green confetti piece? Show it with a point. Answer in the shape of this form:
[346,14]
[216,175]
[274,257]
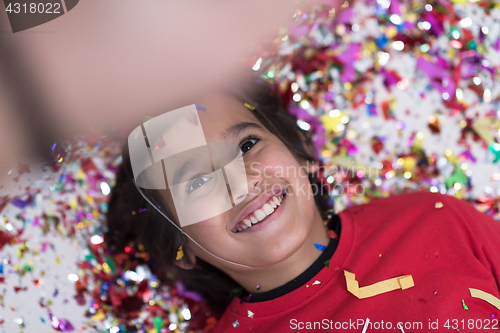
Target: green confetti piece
[236,292]
[111,264]
[458,176]
[327,263]
[495,149]
[465,306]
[27,268]
[158,323]
[90,256]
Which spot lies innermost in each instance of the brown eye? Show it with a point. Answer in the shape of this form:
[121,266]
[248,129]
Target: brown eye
[248,144]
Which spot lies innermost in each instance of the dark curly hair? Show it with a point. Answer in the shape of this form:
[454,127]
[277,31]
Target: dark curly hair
[161,240]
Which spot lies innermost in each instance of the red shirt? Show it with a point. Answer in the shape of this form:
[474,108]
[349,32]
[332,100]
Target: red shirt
[446,250]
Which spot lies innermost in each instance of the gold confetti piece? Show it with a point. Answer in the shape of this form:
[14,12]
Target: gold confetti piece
[250,314]
[439,205]
[485,297]
[483,128]
[180,254]
[105,268]
[99,316]
[400,282]
[316,282]
[249,107]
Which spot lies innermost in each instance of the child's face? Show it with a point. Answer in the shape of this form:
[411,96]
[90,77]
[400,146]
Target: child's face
[273,174]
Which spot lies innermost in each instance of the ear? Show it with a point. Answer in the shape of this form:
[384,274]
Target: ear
[186,263]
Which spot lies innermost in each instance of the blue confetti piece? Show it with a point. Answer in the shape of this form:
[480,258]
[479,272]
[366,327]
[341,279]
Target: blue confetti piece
[382,41]
[372,111]
[20,203]
[320,247]
[200,107]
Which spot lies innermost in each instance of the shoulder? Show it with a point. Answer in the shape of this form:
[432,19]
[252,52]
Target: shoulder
[412,202]
[407,203]
[432,211]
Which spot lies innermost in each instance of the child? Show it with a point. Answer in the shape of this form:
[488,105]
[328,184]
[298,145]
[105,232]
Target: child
[404,263]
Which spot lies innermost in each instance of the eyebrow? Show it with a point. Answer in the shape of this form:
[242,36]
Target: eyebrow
[237,129]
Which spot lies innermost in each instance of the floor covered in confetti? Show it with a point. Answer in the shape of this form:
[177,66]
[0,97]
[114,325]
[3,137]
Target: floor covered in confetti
[398,96]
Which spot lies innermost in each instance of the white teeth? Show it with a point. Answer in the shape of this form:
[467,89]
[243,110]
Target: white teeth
[260,215]
[267,209]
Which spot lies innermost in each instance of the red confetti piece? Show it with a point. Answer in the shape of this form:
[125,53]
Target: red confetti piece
[331,234]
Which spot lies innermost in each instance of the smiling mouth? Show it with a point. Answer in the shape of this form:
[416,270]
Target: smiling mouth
[260,214]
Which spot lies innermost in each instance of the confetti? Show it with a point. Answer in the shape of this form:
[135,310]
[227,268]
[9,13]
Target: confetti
[401,282]
[236,324]
[485,297]
[60,324]
[342,80]
[465,306]
[320,247]
[19,321]
[250,314]
[249,107]
[438,205]
[73,190]
[180,253]
[327,263]
[331,234]
[246,298]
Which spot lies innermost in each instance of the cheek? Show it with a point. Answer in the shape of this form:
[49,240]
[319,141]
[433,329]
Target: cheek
[208,231]
[278,162]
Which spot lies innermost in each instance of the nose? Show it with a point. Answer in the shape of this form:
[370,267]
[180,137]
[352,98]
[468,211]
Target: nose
[254,176]
[252,184]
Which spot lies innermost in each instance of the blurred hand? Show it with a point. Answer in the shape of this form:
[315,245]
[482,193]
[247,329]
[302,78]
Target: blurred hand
[107,63]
